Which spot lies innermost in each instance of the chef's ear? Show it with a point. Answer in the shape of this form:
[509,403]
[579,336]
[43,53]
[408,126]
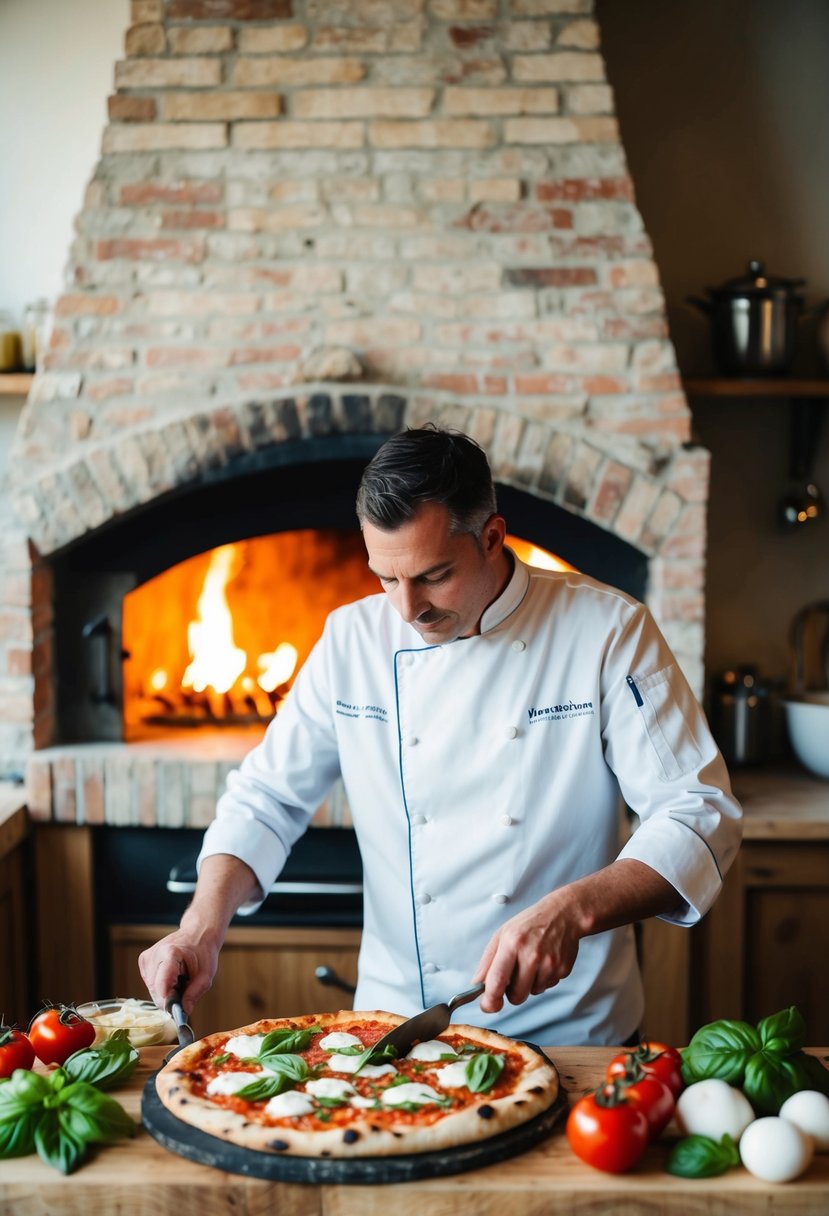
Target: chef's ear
[493,535]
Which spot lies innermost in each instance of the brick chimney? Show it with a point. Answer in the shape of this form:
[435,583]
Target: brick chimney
[417,201]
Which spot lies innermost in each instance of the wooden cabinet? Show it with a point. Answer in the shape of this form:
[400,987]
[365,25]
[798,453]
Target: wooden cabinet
[263,971]
[764,944]
[15,918]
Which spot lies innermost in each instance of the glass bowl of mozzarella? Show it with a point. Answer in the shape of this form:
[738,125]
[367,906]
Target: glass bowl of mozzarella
[143,1021]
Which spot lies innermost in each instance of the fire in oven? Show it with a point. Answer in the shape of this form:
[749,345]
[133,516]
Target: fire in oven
[148,875]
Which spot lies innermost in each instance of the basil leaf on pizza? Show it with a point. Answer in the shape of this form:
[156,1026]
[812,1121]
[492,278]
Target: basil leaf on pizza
[279,1041]
[483,1070]
[316,1085]
[287,1070]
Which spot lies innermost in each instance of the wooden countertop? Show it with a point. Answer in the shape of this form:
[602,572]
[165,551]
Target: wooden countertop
[782,804]
[142,1178]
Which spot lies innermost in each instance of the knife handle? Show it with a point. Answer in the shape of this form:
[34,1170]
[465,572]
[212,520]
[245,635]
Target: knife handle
[173,1003]
[464,997]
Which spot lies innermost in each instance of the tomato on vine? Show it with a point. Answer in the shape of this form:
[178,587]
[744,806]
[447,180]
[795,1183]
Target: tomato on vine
[656,1059]
[608,1130]
[16,1051]
[57,1032]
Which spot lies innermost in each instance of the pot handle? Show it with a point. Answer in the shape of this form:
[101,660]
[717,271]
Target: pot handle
[705,305]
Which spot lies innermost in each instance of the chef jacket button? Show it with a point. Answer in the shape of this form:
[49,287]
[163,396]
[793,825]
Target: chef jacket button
[512,732]
[429,968]
[418,820]
[412,741]
[424,898]
[501,899]
[507,820]
[518,645]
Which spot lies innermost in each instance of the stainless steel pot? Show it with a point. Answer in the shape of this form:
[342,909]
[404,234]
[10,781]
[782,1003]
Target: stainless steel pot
[753,323]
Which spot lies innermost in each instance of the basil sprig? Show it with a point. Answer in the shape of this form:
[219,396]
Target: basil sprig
[105,1066]
[372,1056]
[767,1061]
[277,1042]
[57,1117]
[483,1070]
[702,1157]
[288,1070]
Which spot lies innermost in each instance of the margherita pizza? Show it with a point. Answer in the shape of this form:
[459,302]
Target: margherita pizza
[315,1087]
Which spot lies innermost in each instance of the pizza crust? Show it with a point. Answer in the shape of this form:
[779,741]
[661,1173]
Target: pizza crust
[535,1089]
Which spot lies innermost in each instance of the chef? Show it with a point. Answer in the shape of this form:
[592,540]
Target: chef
[487,719]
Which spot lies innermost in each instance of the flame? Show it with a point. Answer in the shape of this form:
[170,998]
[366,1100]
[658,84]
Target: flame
[533,555]
[158,680]
[216,661]
[278,666]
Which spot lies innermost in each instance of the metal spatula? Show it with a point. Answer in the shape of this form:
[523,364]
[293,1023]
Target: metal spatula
[174,1008]
[426,1025]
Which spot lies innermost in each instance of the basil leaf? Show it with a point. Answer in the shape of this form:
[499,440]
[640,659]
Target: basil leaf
[286,1040]
[84,1109]
[288,1070]
[372,1056]
[483,1070]
[265,1087]
[701,1157]
[221,1059]
[332,1102]
[811,1073]
[57,1147]
[783,1032]
[285,1064]
[106,1066]
[720,1049]
[17,1133]
[354,1050]
[22,1091]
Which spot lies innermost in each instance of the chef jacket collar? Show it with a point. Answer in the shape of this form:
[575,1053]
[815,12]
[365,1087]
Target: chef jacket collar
[510,597]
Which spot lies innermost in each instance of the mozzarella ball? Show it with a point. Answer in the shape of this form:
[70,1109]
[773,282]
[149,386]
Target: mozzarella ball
[809,1110]
[713,1108]
[775,1150]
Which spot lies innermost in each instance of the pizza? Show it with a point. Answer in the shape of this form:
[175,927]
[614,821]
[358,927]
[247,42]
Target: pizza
[314,1086]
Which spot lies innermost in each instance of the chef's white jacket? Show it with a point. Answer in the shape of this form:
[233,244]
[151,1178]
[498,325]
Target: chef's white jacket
[484,773]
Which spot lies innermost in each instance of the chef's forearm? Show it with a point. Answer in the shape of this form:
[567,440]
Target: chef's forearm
[225,883]
[621,893]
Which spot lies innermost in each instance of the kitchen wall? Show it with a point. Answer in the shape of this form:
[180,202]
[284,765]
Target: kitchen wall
[723,111]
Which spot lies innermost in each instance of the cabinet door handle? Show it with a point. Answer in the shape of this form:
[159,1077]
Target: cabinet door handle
[328,976]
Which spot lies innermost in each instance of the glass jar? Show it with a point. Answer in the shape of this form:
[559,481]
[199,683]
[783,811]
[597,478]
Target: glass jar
[144,1023]
[10,352]
[34,333]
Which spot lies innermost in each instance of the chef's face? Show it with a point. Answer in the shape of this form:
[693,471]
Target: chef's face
[440,583]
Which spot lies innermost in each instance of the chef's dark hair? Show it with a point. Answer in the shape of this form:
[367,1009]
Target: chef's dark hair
[427,464]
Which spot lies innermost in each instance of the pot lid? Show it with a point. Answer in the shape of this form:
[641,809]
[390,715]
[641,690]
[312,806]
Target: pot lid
[756,281]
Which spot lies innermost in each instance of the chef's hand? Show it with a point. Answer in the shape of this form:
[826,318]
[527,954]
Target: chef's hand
[538,947]
[224,884]
[180,953]
[530,953]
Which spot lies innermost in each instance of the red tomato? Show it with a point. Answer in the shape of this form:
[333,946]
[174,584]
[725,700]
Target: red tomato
[607,1130]
[654,1099]
[58,1032]
[656,1059]
[15,1051]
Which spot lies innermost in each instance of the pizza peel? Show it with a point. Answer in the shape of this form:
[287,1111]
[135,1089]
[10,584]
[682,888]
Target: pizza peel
[426,1025]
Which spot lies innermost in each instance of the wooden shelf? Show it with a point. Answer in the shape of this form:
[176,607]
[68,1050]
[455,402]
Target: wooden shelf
[15,384]
[722,386]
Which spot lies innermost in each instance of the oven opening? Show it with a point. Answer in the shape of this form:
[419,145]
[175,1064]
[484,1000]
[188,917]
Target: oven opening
[216,640]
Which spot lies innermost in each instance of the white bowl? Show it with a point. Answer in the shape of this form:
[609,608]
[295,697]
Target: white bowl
[807,717]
